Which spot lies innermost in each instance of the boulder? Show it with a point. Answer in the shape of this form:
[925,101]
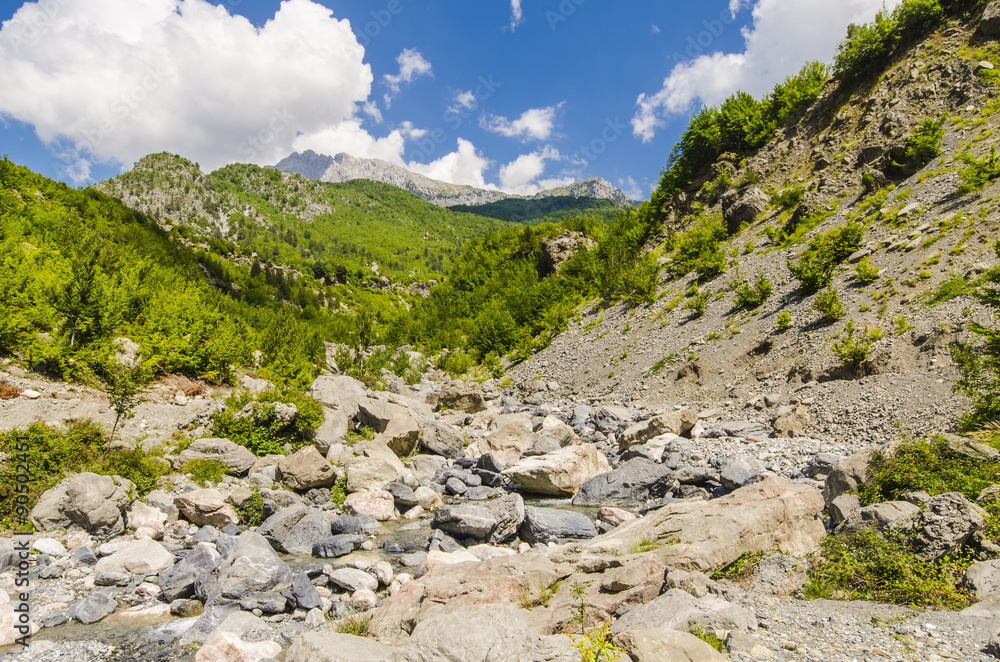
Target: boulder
[843,507]
[679,610]
[92,608]
[206,506]
[332,547]
[659,645]
[378,505]
[465,396]
[305,469]
[465,520]
[550,436]
[401,435]
[642,571]
[790,424]
[883,516]
[945,524]
[294,530]
[252,566]
[325,646]
[139,557]
[228,647]
[237,459]
[560,473]
[543,525]
[507,443]
[369,474]
[352,579]
[179,581]
[305,594]
[634,484]
[741,208]
[377,413]
[332,431]
[676,422]
[848,475]
[707,535]
[989,24]
[443,439]
[142,516]
[740,471]
[983,578]
[95,503]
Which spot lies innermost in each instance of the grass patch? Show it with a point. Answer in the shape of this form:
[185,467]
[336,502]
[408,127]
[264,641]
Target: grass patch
[952,288]
[708,636]
[643,546]
[742,568]
[358,625]
[204,471]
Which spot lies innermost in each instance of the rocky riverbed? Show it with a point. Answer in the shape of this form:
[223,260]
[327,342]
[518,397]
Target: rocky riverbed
[473,524]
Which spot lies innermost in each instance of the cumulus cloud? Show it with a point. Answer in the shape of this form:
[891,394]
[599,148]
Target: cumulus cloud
[516,14]
[522,174]
[117,79]
[534,123]
[466,99]
[412,65]
[463,166]
[783,35]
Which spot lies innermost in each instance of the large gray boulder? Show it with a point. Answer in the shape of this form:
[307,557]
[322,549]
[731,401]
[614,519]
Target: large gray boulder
[92,608]
[296,529]
[325,646]
[466,397]
[945,524]
[139,557]
[543,525]
[560,473]
[252,566]
[465,520]
[206,506]
[634,484]
[679,610]
[95,503]
[377,413]
[443,439]
[550,436]
[659,645]
[740,471]
[676,422]
[305,469]
[983,578]
[989,24]
[237,459]
[401,434]
[850,474]
[884,516]
[180,580]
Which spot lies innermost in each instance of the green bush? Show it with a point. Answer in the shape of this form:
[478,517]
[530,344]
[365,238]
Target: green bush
[828,305]
[853,348]
[260,431]
[978,173]
[924,143]
[700,249]
[204,471]
[980,362]
[338,492]
[252,511]
[816,268]
[134,465]
[752,295]
[784,321]
[713,190]
[697,303]
[813,272]
[865,272]
[871,46]
[869,566]
[789,198]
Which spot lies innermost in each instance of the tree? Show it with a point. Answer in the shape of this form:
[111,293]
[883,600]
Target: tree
[127,381]
[980,363]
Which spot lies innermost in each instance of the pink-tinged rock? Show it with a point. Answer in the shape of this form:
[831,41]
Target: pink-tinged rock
[143,613]
[8,620]
[614,516]
[206,506]
[377,505]
[437,559]
[228,647]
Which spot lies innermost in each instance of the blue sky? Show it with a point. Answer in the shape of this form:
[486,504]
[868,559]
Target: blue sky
[515,94]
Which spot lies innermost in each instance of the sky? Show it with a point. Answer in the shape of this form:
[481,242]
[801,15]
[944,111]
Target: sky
[519,95]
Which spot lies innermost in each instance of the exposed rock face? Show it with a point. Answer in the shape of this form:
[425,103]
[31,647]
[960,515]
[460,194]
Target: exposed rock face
[236,458]
[634,484]
[443,439]
[140,557]
[305,469]
[95,503]
[560,250]
[560,473]
[743,207]
[206,506]
[661,644]
[772,514]
[945,524]
[990,22]
[679,610]
[466,397]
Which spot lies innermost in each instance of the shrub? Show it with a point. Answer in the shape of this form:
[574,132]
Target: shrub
[816,268]
[752,295]
[258,429]
[699,249]
[869,566]
[784,321]
[697,303]
[828,305]
[853,350]
[978,173]
[871,46]
[789,198]
[865,272]
[924,143]
[9,391]
[252,511]
[713,190]
[338,492]
[813,272]
[205,471]
[135,465]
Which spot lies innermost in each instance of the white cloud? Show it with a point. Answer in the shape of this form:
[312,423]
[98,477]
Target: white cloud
[463,166]
[634,189]
[412,65]
[522,174]
[784,35]
[534,123]
[466,100]
[655,29]
[516,14]
[118,79]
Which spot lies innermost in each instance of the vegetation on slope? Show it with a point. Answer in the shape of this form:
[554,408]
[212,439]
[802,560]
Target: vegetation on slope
[539,211]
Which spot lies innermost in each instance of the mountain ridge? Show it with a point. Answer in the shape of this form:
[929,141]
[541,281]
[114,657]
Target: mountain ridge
[344,167]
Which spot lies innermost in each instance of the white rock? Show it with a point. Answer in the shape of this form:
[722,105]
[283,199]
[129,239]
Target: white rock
[49,546]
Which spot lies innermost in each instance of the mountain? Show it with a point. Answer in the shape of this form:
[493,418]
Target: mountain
[345,168]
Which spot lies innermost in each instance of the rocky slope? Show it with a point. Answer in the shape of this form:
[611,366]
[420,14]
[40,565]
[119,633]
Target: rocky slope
[344,168]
